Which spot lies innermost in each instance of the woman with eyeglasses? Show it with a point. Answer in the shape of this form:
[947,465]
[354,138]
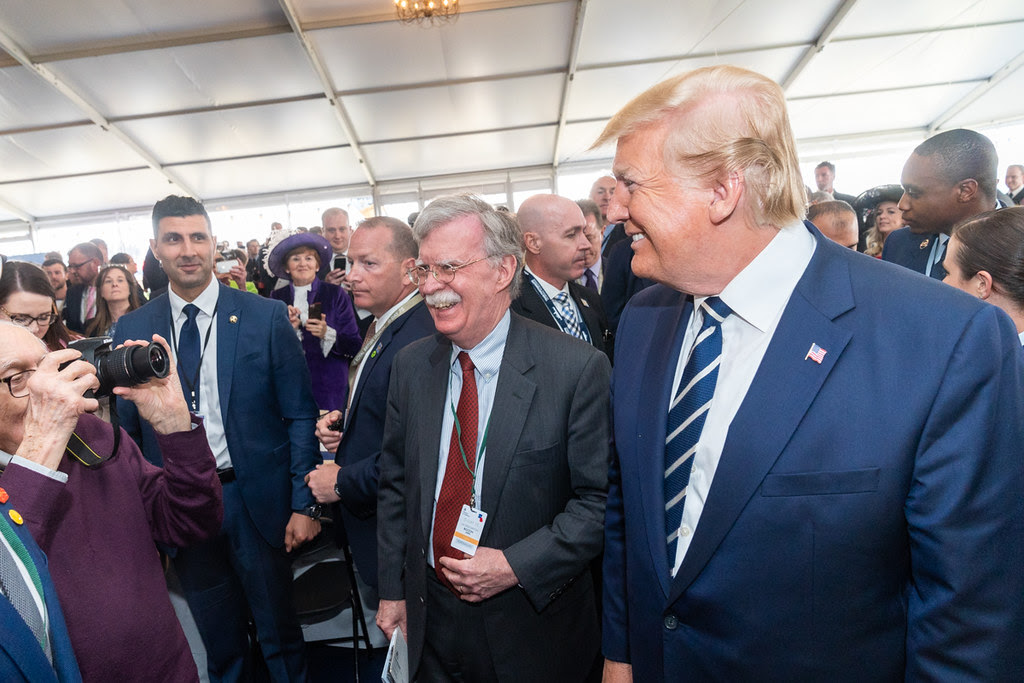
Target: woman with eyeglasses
[26,299]
[115,297]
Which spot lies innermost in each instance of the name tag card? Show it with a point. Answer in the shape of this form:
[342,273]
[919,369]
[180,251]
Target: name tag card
[469,530]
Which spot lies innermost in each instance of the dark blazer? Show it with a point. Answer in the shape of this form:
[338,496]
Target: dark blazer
[529,305]
[620,284]
[617,234]
[1017,198]
[265,398]
[543,490]
[359,450]
[908,249]
[864,522]
[72,311]
[21,658]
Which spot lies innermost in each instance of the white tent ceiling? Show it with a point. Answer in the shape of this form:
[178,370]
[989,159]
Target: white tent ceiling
[111,104]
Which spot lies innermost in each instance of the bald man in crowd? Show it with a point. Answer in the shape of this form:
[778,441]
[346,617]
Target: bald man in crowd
[554,231]
[837,221]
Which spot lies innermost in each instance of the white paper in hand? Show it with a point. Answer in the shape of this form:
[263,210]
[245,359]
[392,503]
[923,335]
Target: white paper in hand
[396,665]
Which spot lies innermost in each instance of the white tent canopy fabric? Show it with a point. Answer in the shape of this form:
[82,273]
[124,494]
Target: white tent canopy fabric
[110,104]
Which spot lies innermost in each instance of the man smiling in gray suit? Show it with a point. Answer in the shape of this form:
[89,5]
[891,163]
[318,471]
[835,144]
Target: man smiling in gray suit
[490,512]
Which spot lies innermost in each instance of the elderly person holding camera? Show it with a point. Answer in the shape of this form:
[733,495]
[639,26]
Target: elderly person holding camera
[98,522]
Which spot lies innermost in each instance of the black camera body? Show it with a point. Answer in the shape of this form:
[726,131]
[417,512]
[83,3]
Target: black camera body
[127,366]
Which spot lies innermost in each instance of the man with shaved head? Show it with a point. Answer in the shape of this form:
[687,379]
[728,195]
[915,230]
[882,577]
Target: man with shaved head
[553,230]
[948,178]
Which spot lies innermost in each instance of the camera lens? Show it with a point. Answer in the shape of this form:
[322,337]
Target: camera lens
[129,366]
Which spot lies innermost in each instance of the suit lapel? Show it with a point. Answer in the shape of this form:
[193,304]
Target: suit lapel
[649,443]
[374,355]
[589,315]
[430,413]
[512,400]
[229,320]
[753,443]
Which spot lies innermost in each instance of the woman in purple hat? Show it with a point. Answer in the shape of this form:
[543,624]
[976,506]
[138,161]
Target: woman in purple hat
[321,313]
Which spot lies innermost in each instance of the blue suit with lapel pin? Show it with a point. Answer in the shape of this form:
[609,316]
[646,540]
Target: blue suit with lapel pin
[21,658]
[864,522]
[908,249]
[269,418]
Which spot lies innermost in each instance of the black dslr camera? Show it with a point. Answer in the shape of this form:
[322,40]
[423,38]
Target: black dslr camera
[127,366]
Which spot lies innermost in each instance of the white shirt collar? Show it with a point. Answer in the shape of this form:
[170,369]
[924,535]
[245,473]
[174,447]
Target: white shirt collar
[391,311]
[206,301]
[759,292]
[548,288]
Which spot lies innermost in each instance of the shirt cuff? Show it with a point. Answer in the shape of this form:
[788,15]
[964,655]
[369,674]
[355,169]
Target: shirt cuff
[56,475]
[327,343]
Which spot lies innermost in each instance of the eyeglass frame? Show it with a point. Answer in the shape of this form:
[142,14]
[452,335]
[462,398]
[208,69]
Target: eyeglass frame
[8,380]
[414,272]
[31,319]
[76,266]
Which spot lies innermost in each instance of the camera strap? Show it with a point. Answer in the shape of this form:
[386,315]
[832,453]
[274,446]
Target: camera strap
[84,453]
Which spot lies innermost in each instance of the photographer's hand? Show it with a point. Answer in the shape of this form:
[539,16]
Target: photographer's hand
[55,402]
[160,401]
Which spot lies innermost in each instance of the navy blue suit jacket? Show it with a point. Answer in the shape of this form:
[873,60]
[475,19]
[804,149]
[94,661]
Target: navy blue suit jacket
[359,450]
[21,658]
[908,249]
[265,397]
[865,518]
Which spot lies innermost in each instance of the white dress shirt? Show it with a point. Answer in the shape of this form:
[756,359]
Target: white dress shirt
[757,297]
[209,396]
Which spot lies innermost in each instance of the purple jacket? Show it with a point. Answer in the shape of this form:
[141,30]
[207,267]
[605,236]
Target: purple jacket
[99,532]
[330,373]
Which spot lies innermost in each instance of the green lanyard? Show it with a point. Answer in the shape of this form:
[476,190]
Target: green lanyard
[458,430]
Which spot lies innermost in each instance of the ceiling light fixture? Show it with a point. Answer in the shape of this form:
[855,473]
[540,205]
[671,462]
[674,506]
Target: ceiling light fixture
[433,11]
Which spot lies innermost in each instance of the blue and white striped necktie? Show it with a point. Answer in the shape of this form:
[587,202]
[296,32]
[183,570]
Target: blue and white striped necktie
[687,413]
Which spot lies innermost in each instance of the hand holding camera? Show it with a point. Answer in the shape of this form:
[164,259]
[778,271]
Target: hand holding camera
[56,399]
[157,394]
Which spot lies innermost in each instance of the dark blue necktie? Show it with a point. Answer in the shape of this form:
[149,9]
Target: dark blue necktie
[687,413]
[189,354]
[938,268]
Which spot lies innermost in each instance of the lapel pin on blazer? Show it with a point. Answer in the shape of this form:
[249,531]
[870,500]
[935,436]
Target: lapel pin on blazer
[585,303]
[380,345]
[816,353]
[233,319]
[924,243]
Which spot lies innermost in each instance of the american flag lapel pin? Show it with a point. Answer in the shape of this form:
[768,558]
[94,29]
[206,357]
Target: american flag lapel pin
[816,353]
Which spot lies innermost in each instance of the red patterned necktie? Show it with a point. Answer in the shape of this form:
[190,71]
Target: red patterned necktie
[457,486]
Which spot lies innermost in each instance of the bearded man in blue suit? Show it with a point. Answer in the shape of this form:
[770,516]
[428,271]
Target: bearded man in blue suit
[817,474]
[247,375]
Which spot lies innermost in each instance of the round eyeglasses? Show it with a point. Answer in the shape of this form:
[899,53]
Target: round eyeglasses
[444,273]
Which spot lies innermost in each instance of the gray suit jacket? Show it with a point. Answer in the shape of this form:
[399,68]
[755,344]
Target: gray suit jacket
[544,489]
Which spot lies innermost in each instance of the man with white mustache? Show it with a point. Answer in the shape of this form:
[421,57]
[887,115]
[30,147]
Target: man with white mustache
[493,469]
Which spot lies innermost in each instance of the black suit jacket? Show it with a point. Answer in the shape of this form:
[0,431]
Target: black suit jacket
[72,311]
[529,305]
[543,489]
[359,450]
[617,234]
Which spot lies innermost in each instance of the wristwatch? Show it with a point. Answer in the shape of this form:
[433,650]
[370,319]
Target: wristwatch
[337,491]
[314,511]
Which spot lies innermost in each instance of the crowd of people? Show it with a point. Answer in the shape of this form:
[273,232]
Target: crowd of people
[613,438]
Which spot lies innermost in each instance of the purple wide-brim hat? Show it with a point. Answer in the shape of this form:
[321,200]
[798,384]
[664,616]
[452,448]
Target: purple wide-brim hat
[278,251]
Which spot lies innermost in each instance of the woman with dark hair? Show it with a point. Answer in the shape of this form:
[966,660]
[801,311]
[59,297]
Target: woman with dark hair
[115,297]
[985,258]
[321,313]
[26,299]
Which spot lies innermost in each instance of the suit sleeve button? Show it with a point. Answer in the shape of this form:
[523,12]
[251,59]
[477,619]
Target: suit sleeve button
[671,622]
